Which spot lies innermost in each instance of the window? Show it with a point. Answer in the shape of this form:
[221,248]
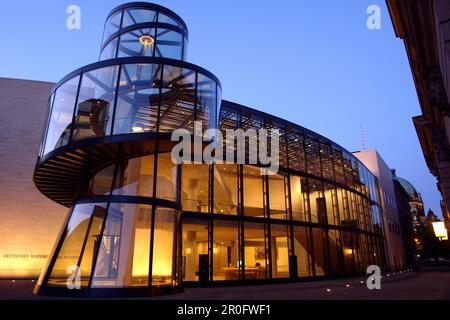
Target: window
[320,251]
[135,16]
[277,196]
[317,201]
[101,183]
[226,251]
[280,252]
[253,192]
[195,250]
[226,188]
[133,43]
[177,99]
[112,25]
[166,178]
[80,237]
[58,132]
[194,187]
[163,247]
[169,44]
[124,255]
[206,102]
[109,52]
[162,18]
[299,198]
[332,207]
[137,104]
[95,103]
[255,252]
[302,245]
[135,177]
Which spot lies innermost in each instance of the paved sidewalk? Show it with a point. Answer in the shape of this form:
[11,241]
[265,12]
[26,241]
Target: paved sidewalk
[428,283]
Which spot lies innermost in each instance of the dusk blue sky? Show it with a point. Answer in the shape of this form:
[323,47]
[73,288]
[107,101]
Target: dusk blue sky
[314,63]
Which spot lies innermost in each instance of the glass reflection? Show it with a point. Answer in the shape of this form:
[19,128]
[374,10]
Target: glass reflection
[226,251]
[95,103]
[226,188]
[163,247]
[137,103]
[135,177]
[124,254]
[195,250]
[77,249]
[58,132]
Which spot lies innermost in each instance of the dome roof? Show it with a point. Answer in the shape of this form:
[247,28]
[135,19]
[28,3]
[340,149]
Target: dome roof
[409,188]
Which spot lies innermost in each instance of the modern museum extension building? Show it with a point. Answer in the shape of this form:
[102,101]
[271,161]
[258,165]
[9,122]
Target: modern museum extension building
[139,224]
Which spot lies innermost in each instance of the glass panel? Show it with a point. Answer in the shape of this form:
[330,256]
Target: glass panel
[102,181]
[162,18]
[177,99]
[226,250]
[296,152]
[218,102]
[277,197]
[194,187]
[137,104]
[95,103]
[317,201]
[253,192]
[169,44]
[135,177]
[301,247]
[112,25]
[320,251]
[135,16]
[166,183]
[140,42]
[109,52]
[195,250]
[338,166]
[90,244]
[206,102]
[163,247]
[79,240]
[312,156]
[299,198]
[255,252]
[225,188]
[332,208]
[58,133]
[326,157]
[280,253]
[124,255]
[335,251]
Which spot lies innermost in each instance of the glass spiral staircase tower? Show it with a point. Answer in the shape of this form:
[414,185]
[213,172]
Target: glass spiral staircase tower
[106,155]
[140,225]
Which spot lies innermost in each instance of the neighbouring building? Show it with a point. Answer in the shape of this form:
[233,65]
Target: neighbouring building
[391,221]
[29,221]
[139,224]
[405,215]
[424,27]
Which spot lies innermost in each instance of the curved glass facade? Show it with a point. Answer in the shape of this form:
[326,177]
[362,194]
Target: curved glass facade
[140,222]
[148,31]
[131,98]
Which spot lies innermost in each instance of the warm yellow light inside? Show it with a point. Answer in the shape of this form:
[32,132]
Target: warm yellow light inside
[440,231]
[146,40]
[348,251]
